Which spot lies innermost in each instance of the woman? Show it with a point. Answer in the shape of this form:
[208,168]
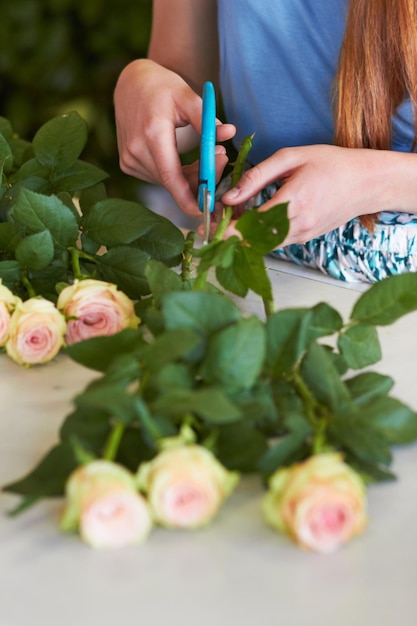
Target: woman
[329,87]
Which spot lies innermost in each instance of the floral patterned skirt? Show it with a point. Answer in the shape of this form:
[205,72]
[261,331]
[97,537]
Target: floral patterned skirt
[351,252]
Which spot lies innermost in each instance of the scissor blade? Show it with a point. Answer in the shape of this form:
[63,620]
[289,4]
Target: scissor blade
[206,215]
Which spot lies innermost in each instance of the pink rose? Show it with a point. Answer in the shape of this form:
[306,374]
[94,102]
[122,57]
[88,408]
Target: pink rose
[103,504]
[94,308]
[319,503]
[8,302]
[185,486]
[36,332]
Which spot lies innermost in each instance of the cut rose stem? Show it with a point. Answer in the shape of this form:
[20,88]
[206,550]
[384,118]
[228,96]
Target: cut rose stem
[187,256]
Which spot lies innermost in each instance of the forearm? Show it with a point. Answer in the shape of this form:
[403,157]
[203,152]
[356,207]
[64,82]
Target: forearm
[184,39]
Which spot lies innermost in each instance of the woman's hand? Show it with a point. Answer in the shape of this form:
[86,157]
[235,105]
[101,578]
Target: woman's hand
[157,113]
[326,186]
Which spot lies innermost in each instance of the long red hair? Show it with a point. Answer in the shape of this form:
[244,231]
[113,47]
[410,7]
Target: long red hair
[377,70]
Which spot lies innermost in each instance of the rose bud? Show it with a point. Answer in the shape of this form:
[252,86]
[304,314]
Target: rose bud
[8,302]
[36,332]
[185,486]
[94,308]
[320,503]
[104,506]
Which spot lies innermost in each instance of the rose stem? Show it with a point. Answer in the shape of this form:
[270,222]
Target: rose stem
[187,256]
[113,441]
[27,284]
[76,255]
[236,175]
[312,407]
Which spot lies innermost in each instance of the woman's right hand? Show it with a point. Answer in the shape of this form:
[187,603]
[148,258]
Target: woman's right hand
[156,110]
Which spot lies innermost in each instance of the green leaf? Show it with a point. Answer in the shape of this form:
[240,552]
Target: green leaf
[110,398]
[163,242]
[286,338]
[169,347]
[91,428]
[287,402]
[9,236]
[38,213]
[202,311]
[368,385]
[386,301]
[21,150]
[98,353]
[322,378]
[6,128]
[323,320]
[35,251]
[235,355]
[172,376]
[88,245]
[125,267]
[291,331]
[250,270]
[360,438]
[112,222]
[30,169]
[211,405]
[217,254]
[161,279]
[79,175]
[10,271]
[227,278]
[264,231]
[48,478]
[60,141]
[257,405]
[370,472]
[396,421]
[360,346]
[6,157]
[288,449]
[68,200]
[89,196]
[44,281]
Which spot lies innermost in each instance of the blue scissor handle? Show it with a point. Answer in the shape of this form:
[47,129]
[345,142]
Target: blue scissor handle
[207,170]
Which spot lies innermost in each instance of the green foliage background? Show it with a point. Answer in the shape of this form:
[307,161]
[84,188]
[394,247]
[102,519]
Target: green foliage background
[62,55]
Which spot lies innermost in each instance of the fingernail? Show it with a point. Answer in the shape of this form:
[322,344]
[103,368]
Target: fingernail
[220,150]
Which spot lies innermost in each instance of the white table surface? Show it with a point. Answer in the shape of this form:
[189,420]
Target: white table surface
[237,571]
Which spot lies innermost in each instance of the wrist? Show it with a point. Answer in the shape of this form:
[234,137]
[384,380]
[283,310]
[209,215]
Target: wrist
[396,181]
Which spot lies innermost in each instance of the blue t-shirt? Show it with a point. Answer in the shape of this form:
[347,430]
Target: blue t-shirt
[278,60]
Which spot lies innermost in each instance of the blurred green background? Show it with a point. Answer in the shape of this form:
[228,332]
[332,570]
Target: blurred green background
[62,55]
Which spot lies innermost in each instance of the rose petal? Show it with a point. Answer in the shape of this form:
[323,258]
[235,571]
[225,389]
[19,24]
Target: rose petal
[115,520]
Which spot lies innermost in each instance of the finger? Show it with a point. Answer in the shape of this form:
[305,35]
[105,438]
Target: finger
[224,132]
[169,170]
[276,167]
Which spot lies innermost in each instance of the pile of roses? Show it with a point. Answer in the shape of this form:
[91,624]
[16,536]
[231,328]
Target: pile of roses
[319,503]
[33,331]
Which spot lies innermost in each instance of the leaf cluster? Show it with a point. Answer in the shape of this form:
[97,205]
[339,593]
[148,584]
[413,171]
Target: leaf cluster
[260,395]
[57,222]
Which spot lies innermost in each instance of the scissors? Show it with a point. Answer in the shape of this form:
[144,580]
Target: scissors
[207,169]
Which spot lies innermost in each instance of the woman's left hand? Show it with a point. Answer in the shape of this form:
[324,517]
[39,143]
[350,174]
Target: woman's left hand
[326,186]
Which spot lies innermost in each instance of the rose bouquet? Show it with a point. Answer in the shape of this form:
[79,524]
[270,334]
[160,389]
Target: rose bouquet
[71,259]
[199,393]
